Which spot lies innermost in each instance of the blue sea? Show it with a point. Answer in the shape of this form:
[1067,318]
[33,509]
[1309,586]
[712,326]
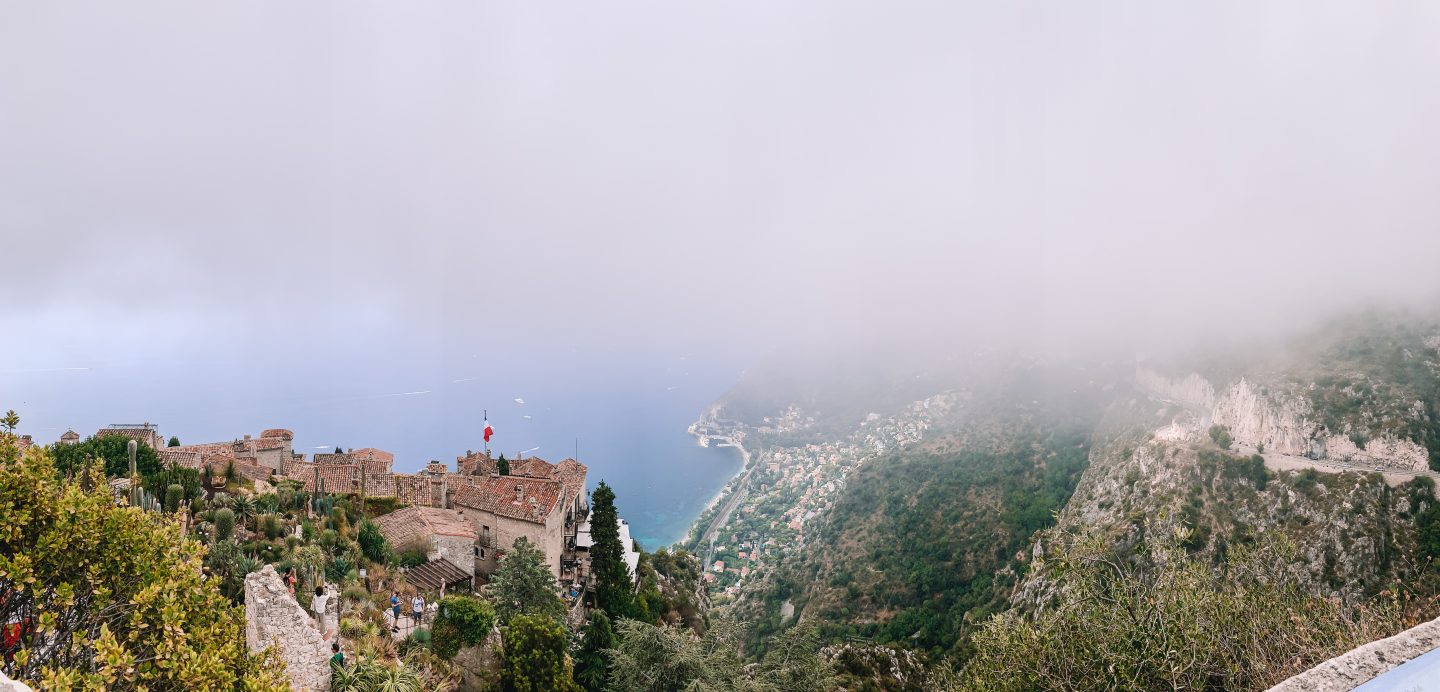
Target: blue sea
[625,413]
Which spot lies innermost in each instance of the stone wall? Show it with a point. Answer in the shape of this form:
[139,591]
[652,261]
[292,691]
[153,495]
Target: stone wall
[459,550]
[274,619]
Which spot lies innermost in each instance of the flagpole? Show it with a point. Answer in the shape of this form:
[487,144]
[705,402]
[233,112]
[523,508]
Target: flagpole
[482,433]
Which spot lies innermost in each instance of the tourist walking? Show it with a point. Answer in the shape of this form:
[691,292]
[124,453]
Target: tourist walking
[395,611]
[338,660]
[318,604]
[417,608]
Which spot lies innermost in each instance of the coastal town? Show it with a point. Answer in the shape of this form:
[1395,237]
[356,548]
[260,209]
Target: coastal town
[787,484]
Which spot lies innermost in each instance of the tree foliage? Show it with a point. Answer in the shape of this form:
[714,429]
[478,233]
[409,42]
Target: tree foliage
[942,539]
[592,665]
[523,585]
[535,659]
[108,450]
[111,597]
[1220,435]
[655,658]
[174,442]
[462,621]
[160,481]
[614,590]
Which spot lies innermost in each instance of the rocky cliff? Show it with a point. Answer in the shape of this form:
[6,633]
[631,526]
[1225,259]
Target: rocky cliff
[1261,418]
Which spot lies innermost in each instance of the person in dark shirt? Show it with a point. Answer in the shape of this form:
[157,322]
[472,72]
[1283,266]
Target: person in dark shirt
[338,660]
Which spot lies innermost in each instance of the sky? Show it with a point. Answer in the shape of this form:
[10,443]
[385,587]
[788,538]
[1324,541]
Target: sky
[245,203]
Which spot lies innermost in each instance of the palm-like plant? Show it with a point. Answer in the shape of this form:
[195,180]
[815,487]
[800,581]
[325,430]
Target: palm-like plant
[245,509]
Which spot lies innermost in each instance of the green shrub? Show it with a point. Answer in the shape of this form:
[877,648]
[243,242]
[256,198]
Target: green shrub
[462,621]
[1142,625]
[372,543]
[224,523]
[411,556]
[356,593]
[338,569]
[174,493]
[419,639]
[270,524]
[1220,436]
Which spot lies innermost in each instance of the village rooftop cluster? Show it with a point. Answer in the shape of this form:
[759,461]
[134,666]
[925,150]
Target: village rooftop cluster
[465,519]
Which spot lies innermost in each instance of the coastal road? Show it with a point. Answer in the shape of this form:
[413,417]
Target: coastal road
[723,516]
[1285,462]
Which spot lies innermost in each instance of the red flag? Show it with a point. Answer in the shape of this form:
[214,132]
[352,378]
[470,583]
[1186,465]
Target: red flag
[488,431]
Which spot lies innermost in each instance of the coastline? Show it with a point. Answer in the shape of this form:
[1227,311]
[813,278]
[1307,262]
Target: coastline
[710,433]
[719,494]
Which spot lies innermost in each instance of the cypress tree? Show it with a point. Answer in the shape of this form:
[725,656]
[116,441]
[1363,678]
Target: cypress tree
[592,666]
[614,592]
[503,466]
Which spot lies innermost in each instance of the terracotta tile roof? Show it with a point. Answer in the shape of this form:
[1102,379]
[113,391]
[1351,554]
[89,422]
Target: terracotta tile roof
[476,463]
[405,526]
[534,467]
[262,444]
[144,435]
[253,471]
[174,456]
[223,448]
[497,494]
[280,433]
[24,441]
[436,574]
[328,458]
[372,454]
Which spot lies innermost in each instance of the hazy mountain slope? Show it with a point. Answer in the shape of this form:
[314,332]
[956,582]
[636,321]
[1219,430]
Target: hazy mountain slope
[925,539]
[1360,391]
[923,543]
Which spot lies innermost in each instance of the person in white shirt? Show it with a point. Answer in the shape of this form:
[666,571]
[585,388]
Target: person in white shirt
[417,608]
[318,604]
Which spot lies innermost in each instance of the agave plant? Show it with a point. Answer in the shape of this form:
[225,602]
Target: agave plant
[221,500]
[245,508]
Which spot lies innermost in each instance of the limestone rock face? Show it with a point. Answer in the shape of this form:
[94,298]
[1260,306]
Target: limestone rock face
[1192,391]
[1283,424]
[1254,418]
[274,619]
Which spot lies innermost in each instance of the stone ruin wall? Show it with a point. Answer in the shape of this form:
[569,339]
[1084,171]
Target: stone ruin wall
[274,619]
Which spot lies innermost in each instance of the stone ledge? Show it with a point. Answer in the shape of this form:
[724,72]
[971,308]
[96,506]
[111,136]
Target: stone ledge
[1359,666]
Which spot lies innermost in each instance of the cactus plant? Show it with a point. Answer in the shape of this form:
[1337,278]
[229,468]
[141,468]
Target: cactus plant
[224,523]
[174,493]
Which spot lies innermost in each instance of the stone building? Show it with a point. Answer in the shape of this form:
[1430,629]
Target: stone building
[271,450]
[505,508]
[70,438]
[442,533]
